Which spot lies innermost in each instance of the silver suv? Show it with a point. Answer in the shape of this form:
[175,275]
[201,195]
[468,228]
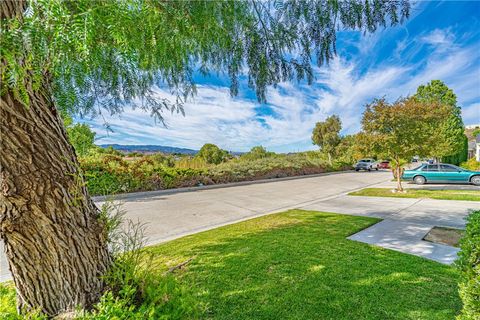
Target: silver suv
[366,164]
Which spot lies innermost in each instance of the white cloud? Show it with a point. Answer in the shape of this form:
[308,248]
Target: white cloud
[439,37]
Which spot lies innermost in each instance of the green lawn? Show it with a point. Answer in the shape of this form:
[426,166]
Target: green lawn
[299,265]
[467,195]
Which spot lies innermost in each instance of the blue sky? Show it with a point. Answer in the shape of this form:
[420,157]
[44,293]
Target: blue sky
[441,40]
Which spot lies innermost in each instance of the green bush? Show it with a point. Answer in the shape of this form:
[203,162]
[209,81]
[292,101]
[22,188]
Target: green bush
[471,164]
[257,152]
[212,154]
[469,265]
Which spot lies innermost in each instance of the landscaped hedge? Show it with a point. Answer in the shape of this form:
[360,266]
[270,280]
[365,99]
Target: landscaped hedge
[469,265]
[109,174]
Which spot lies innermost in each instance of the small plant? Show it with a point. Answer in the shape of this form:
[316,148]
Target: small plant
[469,266]
[134,289]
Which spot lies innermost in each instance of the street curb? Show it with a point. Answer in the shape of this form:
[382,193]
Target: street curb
[126,196]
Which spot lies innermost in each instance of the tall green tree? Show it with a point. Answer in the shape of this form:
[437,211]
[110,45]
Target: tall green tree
[401,130]
[89,57]
[326,135]
[450,146]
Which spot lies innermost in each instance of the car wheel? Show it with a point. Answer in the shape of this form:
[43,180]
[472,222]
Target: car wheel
[419,180]
[475,180]
[357,170]
[369,169]
[376,168]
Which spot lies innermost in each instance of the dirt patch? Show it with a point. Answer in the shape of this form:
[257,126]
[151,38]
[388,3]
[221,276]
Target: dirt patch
[443,235]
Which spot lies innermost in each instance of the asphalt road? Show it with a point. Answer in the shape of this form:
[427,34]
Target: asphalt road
[169,215]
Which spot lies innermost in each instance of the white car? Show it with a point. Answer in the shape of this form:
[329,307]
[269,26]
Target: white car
[366,164]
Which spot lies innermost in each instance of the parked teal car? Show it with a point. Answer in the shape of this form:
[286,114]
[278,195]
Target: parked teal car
[441,173]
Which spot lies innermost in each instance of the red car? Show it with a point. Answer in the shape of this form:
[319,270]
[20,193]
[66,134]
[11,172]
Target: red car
[384,165]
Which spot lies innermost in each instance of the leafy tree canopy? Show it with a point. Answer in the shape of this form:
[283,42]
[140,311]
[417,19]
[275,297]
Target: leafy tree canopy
[212,154]
[326,134]
[102,55]
[452,146]
[401,130]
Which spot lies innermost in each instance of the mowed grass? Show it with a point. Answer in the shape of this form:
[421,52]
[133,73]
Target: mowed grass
[466,195]
[299,265]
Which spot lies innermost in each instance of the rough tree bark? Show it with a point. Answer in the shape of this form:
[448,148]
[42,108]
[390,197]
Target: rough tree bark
[55,243]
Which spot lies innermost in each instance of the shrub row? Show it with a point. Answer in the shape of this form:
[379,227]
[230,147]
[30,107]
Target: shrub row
[469,265]
[110,174]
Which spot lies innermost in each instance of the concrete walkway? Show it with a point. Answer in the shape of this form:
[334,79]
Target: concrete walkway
[405,222]
[171,214]
[406,237]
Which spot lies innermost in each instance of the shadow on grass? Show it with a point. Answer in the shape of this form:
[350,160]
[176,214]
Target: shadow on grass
[299,265]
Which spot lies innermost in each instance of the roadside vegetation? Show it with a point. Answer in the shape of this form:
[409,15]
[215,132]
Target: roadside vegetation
[297,264]
[108,172]
[469,265]
[467,195]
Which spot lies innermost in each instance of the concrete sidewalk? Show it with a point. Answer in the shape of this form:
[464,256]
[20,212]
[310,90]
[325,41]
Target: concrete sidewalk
[405,222]
[406,237]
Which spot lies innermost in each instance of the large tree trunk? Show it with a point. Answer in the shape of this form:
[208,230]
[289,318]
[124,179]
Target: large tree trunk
[55,243]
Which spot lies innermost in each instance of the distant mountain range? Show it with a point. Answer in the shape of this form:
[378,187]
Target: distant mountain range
[149,149]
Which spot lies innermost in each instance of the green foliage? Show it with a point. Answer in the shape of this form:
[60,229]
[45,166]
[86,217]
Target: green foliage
[471,164]
[255,153]
[401,130]
[469,266]
[109,174]
[108,150]
[476,132]
[8,310]
[451,146]
[212,154]
[326,134]
[346,151]
[271,167]
[459,157]
[80,135]
[107,53]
